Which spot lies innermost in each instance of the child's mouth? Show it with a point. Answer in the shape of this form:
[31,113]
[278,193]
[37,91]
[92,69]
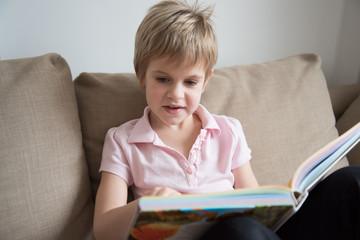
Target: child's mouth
[173,109]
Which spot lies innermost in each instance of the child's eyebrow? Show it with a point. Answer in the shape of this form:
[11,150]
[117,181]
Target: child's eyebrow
[160,72]
[195,76]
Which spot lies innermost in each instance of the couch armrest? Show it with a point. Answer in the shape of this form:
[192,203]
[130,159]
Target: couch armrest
[346,104]
[342,97]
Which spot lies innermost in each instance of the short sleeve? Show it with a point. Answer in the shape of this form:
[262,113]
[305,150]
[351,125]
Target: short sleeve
[242,152]
[114,158]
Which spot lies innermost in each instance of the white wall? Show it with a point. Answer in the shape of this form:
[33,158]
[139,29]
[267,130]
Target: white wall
[98,36]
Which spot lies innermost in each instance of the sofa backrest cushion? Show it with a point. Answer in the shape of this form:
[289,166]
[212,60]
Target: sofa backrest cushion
[284,107]
[105,100]
[44,183]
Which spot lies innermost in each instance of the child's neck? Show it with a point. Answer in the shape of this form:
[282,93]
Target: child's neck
[182,136]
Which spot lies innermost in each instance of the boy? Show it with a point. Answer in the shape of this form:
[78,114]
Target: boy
[177,146]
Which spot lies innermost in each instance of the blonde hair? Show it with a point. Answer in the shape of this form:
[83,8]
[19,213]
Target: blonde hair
[179,31]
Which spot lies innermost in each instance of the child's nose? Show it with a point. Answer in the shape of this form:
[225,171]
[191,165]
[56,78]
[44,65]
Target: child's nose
[176,92]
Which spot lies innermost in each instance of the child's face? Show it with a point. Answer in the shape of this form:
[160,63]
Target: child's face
[173,91]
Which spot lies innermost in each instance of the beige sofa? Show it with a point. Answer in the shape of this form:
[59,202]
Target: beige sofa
[52,131]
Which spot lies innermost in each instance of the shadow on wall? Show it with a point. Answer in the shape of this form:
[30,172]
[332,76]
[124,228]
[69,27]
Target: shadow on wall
[347,58]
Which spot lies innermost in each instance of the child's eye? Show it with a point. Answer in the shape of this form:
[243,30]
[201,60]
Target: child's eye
[162,80]
[190,82]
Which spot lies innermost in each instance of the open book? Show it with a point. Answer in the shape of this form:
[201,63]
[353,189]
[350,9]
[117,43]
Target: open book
[184,216]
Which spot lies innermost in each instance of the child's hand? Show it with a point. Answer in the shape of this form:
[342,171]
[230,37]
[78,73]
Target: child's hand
[162,192]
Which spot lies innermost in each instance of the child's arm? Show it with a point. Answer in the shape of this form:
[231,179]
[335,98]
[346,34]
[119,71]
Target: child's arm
[244,177]
[112,214]
[162,192]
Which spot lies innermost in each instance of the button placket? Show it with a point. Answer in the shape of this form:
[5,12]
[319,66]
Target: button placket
[194,157]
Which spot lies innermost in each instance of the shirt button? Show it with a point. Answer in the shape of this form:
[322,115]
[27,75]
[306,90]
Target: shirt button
[193,153]
[189,170]
[202,136]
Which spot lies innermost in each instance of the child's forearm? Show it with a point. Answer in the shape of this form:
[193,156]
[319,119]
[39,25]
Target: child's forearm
[162,192]
[114,224]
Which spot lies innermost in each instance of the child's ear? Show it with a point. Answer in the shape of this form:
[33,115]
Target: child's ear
[141,81]
[207,79]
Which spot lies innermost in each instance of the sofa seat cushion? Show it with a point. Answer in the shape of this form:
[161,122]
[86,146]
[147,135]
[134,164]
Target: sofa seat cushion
[44,183]
[284,107]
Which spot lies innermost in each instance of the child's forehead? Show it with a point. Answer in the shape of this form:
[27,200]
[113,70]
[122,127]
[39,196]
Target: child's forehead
[173,62]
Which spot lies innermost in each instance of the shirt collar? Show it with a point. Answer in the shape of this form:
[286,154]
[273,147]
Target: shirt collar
[207,120]
[143,133]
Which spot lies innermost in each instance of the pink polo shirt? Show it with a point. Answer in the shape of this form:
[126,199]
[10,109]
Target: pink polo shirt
[134,152]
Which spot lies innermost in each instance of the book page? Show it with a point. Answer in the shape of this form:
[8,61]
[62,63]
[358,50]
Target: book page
[320,170]
[316,165]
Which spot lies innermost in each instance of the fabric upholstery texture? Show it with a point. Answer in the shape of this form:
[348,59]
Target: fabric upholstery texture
[44,184]
[105,100]
[342,97]
[283,105]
